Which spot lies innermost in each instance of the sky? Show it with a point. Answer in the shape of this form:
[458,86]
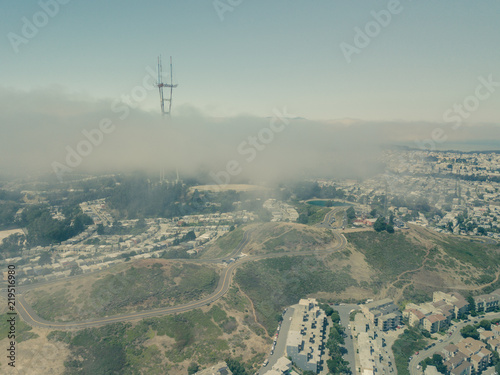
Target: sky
[355,75]
[258,55]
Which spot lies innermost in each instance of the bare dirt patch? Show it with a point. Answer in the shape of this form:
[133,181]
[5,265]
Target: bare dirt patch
[37,356]
[7,233]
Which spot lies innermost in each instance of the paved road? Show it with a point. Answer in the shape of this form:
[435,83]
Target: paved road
[329,218]
[30,316]
[344,311]
[447,339]
[280,349]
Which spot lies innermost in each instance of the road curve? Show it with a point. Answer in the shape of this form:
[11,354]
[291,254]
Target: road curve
[31,317]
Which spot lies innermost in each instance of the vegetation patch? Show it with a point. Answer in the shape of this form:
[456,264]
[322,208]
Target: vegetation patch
[389,254]
[477,254]
[123,348]
[273,284]
[405,346]
[23,331]
[310,214]
[231,240]
[134,289]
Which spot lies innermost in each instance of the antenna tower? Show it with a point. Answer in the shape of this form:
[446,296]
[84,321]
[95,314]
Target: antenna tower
[162,85]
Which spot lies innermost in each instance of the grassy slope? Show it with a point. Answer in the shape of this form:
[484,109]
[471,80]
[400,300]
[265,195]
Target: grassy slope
[279,237]
[136,288]
[22,330]
[479,255]
[273,284]
[224,245]
[389,254]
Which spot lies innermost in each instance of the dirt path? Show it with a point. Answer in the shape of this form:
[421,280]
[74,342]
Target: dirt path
[471,288]
[401,290]
[253,309]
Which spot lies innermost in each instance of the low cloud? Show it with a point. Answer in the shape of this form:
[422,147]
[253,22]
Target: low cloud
[40,127]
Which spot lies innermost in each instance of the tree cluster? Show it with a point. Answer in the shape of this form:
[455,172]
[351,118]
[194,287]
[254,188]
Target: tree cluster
[381,225]
[44,230]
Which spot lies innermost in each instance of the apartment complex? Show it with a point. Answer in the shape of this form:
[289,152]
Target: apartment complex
[466,357]
[436,315]
[384,314]
[487,302]
[306,336]
[459,303]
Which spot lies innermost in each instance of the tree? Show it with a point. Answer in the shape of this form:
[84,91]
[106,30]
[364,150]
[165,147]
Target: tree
[236,367]
[486,324]
[45,258]
[193,368]
[472,304]
[303,219]
[351,214]
[141,223]
[100,229]
[189,236]
[469,331]
[326,308]
[389,228]
[12,245]
[380,224]
[264,215]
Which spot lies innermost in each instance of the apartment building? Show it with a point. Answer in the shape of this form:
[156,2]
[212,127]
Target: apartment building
[306,336]
[384,314]
[467,356]
[487,302]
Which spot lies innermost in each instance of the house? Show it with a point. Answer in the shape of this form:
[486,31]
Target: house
[434,322]
[476,352]
[450,350]
[456,300]
[464,369]
[414,316]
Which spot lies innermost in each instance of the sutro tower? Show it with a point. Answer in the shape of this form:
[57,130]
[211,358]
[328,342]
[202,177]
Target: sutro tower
[161,85]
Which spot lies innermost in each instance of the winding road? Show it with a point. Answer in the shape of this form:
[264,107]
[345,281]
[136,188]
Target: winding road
[31,317]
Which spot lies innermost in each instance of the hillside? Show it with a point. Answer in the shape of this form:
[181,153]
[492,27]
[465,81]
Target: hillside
[272,238]
[142,285]
[406,265]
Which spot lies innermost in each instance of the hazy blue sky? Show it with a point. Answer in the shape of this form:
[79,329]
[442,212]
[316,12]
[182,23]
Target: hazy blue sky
[263,55]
